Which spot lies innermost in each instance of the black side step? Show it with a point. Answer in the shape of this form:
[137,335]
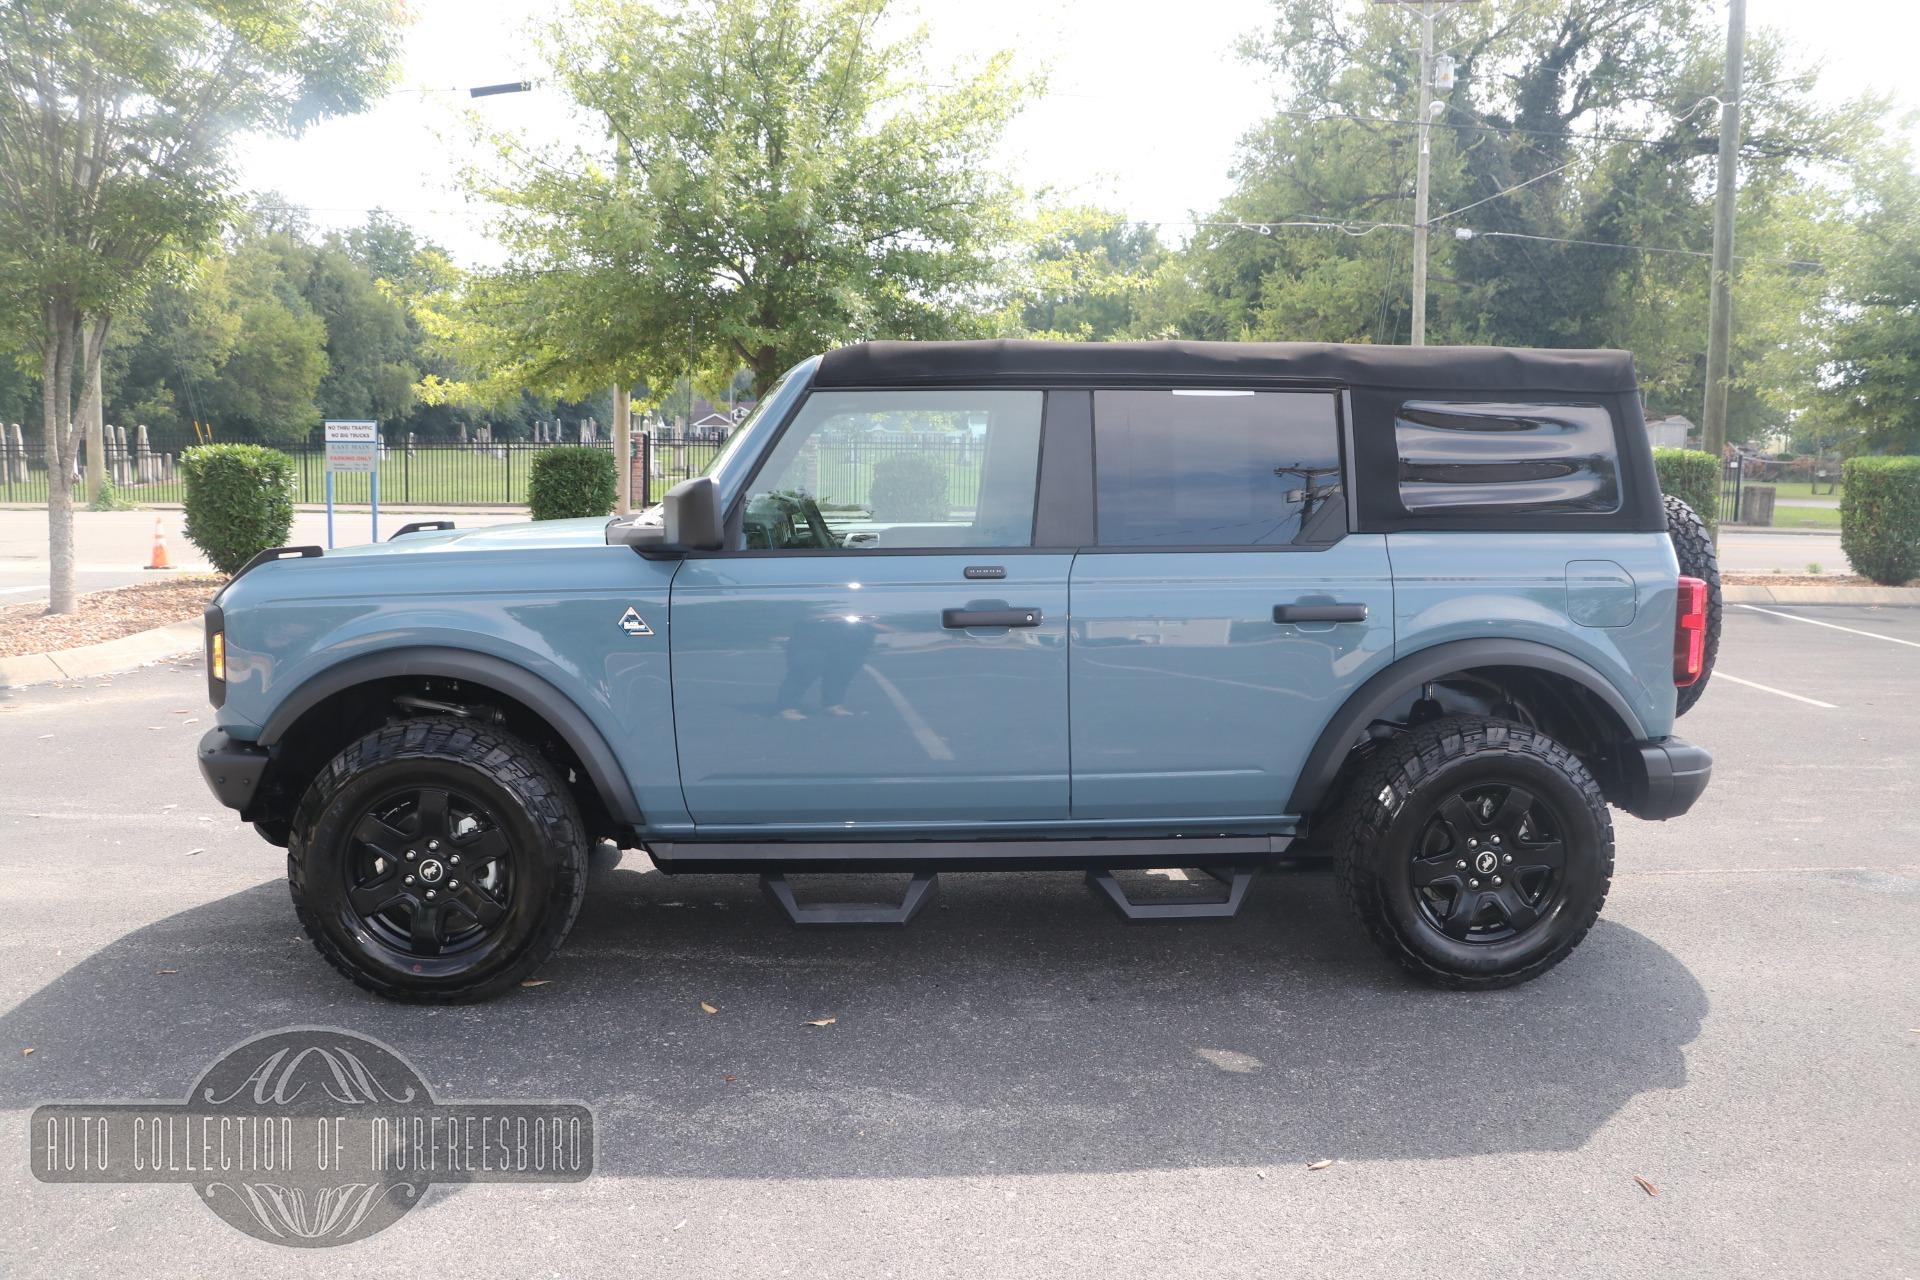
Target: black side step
[1235,878]
[920,891]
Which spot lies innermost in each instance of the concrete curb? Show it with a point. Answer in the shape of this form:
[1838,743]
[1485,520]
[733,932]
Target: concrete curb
[1821,595]
[105,658]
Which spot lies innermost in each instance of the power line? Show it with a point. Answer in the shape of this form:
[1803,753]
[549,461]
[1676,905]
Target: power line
[1364,228]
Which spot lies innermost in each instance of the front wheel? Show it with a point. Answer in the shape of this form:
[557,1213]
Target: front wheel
[437,860]
[1476,852]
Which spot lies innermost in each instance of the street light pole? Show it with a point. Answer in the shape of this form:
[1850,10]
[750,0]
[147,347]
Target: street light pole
[1713,431]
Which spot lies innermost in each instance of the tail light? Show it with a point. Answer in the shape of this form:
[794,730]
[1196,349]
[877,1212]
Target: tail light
[1690,633]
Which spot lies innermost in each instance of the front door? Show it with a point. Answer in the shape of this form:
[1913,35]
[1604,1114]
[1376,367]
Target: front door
[885,648]
[1225,612]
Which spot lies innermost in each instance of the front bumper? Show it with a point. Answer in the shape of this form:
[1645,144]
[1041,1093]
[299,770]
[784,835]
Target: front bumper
[232,768]
[1662,779]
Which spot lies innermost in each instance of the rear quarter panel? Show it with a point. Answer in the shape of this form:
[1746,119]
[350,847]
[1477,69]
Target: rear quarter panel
[1467,586]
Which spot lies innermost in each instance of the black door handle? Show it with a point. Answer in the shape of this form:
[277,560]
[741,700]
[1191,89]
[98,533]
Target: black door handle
[958,618]
[1319,613]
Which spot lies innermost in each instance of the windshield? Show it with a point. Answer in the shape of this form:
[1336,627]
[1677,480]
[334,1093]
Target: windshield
[732,456]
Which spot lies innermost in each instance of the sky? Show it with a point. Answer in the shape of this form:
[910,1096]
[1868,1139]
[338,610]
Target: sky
[1144,106]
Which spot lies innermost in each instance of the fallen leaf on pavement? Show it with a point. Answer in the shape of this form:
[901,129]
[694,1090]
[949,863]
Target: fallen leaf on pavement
[1318,1164]
[26,1053]
[728,1079]
[821,1022]
[535,982]
[709,1008]
[166,971]
[1646,1186]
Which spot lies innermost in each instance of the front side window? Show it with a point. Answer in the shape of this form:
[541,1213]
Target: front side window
[886,470]
[1208,467]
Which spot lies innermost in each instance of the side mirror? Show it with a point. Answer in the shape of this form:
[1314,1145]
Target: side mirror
[690,521]
[692,510]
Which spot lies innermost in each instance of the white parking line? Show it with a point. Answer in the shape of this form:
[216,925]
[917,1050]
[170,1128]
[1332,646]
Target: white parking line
[14,591]
[1767,688]
[1852,631]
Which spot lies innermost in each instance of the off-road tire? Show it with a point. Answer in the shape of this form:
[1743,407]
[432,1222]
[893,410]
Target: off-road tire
[1388,808]
[1693,543]
[537,816]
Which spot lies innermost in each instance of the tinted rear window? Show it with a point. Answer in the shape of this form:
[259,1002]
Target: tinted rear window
[1514,459]
[1215,468]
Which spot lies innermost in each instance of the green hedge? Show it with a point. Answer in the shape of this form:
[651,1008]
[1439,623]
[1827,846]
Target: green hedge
[239,501]
[910,487]
[1880,518]
[572,481]
[1693,477]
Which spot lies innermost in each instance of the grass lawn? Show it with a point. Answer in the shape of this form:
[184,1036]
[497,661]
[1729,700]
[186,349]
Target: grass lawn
[1785,517]
[1788,490]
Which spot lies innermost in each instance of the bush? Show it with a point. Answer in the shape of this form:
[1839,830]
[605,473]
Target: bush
[1880,518]
[910,487]
[1693,477]
[239,501]
[110,499]
[572,481]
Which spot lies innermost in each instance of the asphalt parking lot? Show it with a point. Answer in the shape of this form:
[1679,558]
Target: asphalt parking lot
[1020,1085]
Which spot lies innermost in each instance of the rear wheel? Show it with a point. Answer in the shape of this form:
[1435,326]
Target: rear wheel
[437,860]
[1693,544]
[1476,852]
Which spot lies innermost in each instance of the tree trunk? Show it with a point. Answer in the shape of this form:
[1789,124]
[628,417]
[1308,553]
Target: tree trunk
[56,408]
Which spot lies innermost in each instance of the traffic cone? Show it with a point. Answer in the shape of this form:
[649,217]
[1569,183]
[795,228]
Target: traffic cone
[159,560]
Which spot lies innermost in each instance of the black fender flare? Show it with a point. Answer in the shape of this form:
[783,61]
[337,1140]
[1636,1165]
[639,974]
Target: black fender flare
[537,694]
[1372,699]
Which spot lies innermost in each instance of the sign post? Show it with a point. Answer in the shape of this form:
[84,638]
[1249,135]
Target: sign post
[353,446]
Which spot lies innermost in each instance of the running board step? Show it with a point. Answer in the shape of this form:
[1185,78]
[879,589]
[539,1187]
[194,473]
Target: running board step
[1235,878]
[921,890]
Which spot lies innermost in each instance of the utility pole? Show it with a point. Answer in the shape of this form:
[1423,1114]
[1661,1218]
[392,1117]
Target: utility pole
[1422,167]
[1713,432]
[1423,164]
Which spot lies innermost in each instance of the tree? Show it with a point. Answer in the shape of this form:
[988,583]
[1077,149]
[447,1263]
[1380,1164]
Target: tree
[1876,344]
[1083,274]
[116,118]
[782,180]
[1586,120]
[370,370]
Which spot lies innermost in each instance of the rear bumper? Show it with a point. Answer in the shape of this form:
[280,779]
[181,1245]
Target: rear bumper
[1662,779]
[232,768]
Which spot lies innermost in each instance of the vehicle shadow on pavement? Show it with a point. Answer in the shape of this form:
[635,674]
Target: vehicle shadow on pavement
[1016,1027]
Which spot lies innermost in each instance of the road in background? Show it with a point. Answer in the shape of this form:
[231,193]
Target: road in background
[1019,1085]
[114,547]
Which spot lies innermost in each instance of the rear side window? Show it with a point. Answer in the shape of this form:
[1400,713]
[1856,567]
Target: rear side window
[1206,467]
[1511,459]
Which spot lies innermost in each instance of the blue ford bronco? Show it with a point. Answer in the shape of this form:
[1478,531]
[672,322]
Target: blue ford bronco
[1420,612]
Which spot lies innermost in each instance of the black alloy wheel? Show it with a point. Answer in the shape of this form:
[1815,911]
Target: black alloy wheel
[1488,866]
[1476,852]
[437,860]
[429,873]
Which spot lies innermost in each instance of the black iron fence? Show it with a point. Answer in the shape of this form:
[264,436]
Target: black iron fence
[442,473]
[1732,472]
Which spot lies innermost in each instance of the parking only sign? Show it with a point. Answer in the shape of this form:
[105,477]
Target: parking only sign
[352,446]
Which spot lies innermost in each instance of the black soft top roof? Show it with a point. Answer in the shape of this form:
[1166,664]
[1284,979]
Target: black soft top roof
[1490,369]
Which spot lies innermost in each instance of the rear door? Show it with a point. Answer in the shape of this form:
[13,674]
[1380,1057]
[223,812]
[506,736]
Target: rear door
[1225,612]
[887,647]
